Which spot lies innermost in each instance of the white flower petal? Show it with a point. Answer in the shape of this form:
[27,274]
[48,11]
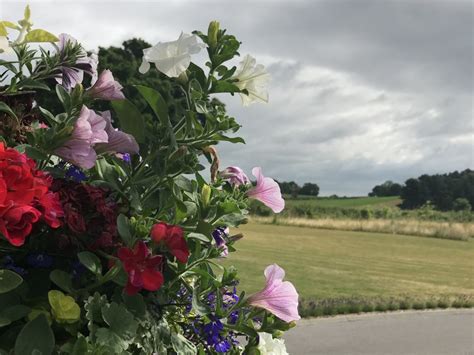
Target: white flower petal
[144,67]
[172,58]
[4,45]
[253,78]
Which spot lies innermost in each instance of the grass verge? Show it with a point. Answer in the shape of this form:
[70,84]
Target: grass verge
[445,230]
[353,305]
[342,271]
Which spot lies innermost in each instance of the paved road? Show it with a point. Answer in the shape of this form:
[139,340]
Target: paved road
[425,332]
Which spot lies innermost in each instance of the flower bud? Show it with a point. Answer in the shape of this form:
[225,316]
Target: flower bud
[212,32]
[206,195]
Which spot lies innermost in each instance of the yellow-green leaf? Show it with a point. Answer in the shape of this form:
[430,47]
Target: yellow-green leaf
[64,308]
[3,30]
[27,12]
[40,36]
[10,25]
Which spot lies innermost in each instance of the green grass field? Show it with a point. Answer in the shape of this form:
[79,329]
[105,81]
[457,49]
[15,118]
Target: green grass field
[330,264]
[354,202]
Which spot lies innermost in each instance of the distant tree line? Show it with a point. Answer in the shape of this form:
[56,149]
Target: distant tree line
[445,192]
[388,188]
[293,189]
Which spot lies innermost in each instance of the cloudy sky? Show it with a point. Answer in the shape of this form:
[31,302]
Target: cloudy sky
[361,91]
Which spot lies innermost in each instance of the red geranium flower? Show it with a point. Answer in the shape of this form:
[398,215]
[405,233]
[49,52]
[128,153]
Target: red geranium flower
[173,239]
[17,222]
[51,208]
[142,268]
[24,196]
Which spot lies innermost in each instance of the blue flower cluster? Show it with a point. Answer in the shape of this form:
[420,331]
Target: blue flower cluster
[9,264]
[75,173]
[212,329]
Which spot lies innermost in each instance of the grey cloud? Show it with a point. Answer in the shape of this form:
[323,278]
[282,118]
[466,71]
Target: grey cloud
[361,91]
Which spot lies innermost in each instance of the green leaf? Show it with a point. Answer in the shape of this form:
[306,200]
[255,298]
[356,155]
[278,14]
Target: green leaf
[181,345]
[36,337]
[120,320]
[35,153]
[10,25]
[62,279]
[40,36]
[64,308]
[111,341]
[198,74]
[63,96]
[221,137]
[130,118]
[91,262]
[123,228]
[224,86]
[93,307]
[15,312]
[200,237]
[5,108]
[199,307]
[135,304]
[232,219]
[27,12]
[156,102]
[3,30]
[33,84]
[80,347]
[9,280]
[4,321]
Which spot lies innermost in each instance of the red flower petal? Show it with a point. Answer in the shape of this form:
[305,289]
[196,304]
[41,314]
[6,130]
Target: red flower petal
[152,279]
[159,232]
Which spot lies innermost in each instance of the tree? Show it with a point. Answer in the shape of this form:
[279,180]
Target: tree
[462,204]
[310,189]
[445,191]
[290,188]
[388,188]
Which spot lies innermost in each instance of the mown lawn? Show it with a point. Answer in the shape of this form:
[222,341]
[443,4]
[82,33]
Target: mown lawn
[354,202]
[329,264]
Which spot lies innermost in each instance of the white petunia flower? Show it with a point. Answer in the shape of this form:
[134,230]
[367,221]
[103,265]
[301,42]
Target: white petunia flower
[254,79]
[171,58]
[270,346]
[4,45]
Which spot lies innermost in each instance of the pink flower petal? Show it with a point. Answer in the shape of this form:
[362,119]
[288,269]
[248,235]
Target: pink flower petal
[278,297]
[118,142]
[235,175]
[267,191]
[106,88]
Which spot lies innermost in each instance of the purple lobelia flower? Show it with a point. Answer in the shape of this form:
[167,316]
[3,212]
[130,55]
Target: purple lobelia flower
[75,173]
[278,297]
[220,235]
[8,263]
[212,331]
[39,260]
[267,191]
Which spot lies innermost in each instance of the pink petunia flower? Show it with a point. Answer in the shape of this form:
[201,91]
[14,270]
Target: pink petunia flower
[89,129]
[106,88]
[267,191]
[278,297]
[235,176]
[118,141]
